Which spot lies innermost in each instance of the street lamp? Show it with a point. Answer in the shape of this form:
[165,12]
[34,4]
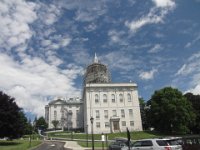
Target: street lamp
[87,134]
[92,121]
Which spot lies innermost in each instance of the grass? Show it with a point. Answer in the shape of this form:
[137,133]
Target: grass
[82,136]
[18,144]
[134,135]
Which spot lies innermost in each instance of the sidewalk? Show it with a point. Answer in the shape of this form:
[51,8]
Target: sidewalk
[72,145]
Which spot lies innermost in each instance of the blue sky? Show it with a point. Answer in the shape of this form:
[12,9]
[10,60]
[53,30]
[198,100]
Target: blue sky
[45,46]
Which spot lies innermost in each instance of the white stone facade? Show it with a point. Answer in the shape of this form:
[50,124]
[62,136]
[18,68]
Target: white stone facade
[114,107]
[68,112]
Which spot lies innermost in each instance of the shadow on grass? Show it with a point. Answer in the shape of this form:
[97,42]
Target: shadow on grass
[5,143]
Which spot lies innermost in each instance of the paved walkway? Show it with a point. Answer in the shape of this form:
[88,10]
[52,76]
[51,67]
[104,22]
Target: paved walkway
[73,146]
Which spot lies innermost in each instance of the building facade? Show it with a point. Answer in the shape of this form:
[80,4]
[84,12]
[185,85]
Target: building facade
[112,106]
[67,112]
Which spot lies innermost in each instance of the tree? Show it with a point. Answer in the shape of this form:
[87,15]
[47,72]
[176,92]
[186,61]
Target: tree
[170,111]
[13,120]
[55,123]
[41,124]
[144,112]
[195,101]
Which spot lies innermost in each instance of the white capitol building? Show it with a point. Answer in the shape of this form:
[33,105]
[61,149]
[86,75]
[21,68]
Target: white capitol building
[113,106]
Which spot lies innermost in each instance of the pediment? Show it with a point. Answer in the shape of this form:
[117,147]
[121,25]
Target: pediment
[57,102]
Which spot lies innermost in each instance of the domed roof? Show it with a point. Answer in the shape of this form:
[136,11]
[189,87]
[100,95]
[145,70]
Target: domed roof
[97,72]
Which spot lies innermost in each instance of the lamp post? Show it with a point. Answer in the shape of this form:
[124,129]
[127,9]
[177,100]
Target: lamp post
[92,121]
[87,134]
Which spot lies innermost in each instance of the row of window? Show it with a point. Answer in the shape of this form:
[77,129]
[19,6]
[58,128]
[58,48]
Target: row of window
[63,113]
[107,124]
[70,106]
[113,98]
[114,113]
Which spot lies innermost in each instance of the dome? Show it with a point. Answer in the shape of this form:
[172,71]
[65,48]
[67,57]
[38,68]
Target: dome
[97,73]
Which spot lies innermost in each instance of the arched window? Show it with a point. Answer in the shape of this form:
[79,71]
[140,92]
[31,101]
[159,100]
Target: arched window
[113,98]
[105,98]
[129,97]
[96,98]
[55,115]
[121,98]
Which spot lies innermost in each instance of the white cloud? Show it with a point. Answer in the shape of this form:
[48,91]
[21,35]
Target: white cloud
[147,75]
[48,14]
[156,48]
[16,16]
[156,15]
[191,70]
[120,61]
[195,90]
[116,37]
[189,44]
[191,66]
[32,79]
[164,3]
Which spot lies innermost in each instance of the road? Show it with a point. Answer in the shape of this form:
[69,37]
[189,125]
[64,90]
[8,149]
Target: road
[51,145]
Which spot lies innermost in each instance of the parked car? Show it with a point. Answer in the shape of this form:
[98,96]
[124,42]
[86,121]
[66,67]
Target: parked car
[118,144]
[153,144]
[175,144]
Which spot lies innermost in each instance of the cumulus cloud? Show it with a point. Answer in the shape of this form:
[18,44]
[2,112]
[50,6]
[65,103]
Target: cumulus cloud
[147,75]
[156,15]
[16,17]
[31,80]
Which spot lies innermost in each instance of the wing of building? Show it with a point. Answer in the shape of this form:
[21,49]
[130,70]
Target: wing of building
[68,112]
[112,106]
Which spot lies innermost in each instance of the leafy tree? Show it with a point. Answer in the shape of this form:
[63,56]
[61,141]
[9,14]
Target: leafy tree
[195,101]
[41,124]
[170,111]
[144,112]
[13,120]
[28,128]
[55,123]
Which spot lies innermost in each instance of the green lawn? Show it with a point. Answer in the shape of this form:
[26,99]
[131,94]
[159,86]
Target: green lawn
[134,135]
[82,136]
[18,144]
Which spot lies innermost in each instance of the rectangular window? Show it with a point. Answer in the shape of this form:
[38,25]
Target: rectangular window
[105,98]
[98,125]
[77,113]
[70,124]
[106,114]
[77,123]
[70,112]
[114,113]
[131,123]
[121,98]
[122,113]
[97,114]
[131,112]
[96,98]
[113,98]
[123,123]
[55,115]
[107,124]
